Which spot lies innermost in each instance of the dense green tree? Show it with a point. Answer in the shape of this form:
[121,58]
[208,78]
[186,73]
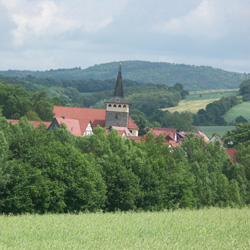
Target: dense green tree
[239,135]
[240,119]
[42,106]
[245,87]
[181,121]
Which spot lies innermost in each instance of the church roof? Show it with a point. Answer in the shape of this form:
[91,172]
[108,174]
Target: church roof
[96,116]
[118,94]
[119,86]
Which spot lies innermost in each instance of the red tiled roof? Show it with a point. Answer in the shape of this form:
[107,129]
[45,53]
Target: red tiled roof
[231,152]
[136,138]
[76,127]
[96,116]
[165,132]
[35,123]
[201,134]
[72,125]
[123,129]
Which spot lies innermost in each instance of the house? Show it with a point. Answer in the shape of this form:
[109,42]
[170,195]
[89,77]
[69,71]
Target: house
[173,137]
[76,127]
[216,138]
[170,134]
[115,116]
[202,135]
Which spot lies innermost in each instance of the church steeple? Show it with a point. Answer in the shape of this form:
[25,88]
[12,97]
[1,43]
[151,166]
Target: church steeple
[119,86]
[117,110]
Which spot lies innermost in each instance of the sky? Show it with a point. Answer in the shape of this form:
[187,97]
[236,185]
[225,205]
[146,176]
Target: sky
[52,34]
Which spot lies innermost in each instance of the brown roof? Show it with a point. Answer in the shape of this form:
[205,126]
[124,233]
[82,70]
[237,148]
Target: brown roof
[201,134]
[165,132]
[96,116]
[231,152]
[35,123]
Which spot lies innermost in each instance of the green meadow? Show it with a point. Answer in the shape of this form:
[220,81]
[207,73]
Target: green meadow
[200,99]
[211,94]
[219,130]
[242,109]
[191,106]
[212,228]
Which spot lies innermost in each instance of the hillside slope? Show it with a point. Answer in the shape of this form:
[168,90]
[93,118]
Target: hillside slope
[192,77]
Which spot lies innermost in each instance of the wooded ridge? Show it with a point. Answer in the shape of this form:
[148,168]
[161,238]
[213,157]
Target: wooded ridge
[192,77]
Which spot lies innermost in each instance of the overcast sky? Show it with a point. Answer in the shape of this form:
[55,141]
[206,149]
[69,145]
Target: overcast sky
[52,34]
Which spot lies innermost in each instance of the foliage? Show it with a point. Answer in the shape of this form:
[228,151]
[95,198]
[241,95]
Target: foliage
[57,172]
[245,87]
[16,102]
[214,111]
[192,77]
[240,135]
[240,119]
[181,121]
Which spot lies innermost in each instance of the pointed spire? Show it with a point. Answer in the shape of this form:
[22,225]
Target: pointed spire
[119,86]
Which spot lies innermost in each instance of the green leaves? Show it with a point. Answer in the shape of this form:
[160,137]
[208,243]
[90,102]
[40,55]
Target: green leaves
[57,172]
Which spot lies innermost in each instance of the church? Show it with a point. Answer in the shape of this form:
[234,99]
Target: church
[81,121]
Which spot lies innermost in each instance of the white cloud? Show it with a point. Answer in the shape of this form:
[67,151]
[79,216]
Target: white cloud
[46,18]
[211,20]
[44,34]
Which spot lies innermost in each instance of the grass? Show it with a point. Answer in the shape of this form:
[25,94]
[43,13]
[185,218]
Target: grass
[219,130]
[241,109]
[191,106]
[211,94]
[200,99]
[182,229]
[213,91]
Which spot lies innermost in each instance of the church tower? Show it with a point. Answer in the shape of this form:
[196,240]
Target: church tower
[117,110]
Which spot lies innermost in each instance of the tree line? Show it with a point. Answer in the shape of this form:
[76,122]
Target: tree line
[57,172]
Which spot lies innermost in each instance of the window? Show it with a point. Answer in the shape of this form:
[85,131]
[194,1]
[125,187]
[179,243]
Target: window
[119,106]
[116,116]
[124,106]
[114,106]
[110,105]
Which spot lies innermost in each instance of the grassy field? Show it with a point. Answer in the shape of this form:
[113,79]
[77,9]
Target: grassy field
[213,229]
[219,130]
[200,99]
[191,106]
[211,94]
[241,109]
[213,91]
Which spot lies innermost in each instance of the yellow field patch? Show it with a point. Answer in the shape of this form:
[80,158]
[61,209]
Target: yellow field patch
[191,106]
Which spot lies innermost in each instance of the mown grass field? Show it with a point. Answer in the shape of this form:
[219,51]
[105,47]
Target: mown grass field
[219,130]
[211,94]
[200,99]
[182,229]
[191,106]
[241,109]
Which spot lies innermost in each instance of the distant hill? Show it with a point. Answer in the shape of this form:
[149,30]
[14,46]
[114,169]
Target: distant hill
[192,77]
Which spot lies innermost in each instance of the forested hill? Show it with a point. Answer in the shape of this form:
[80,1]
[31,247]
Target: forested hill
[192,77]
